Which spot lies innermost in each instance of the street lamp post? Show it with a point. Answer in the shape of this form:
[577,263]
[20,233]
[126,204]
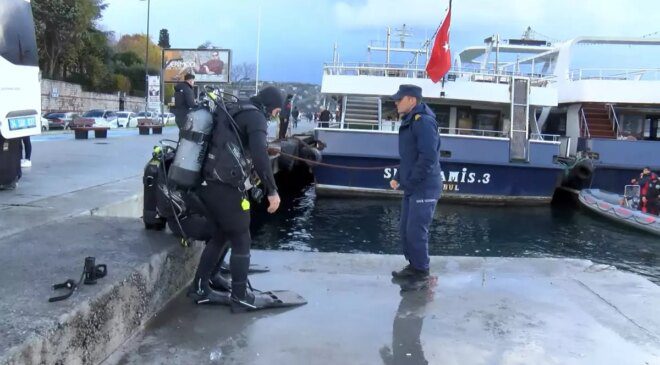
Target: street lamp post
[256,75]
[146,61]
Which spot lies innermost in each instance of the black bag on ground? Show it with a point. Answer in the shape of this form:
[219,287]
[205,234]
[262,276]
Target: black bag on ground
[164,203]
[150,216]
[192,219]
[226,161]
[10,162]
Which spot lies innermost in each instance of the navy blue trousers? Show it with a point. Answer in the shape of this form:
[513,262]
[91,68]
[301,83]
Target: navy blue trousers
[417,211]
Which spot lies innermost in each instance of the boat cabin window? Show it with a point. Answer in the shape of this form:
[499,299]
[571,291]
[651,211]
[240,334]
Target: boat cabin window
[632,125]
[555,124]
[487,120]
[441,115]
[389,111]
[479,122]
[652,128]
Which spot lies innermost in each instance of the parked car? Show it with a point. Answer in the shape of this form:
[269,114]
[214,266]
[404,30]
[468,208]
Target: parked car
[125,119]
[167,118]
[151,118]
[98,118]
[44,122]
[57,120]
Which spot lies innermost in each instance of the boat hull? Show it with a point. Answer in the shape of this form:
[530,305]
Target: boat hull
[607,205]
[461,181]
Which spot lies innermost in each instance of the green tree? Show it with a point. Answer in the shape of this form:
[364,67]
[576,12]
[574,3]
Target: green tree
[62,27]
[164,39]
[136,43]
[122,83]
[127,59]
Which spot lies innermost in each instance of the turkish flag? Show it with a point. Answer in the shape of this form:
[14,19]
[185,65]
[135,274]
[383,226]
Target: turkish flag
[440,61]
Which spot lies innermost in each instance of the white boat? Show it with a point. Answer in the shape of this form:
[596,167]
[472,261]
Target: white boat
[492,149]
[508,111]
[609,205]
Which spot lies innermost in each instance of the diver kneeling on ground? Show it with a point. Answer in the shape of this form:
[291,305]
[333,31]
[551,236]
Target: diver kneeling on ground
[227,202]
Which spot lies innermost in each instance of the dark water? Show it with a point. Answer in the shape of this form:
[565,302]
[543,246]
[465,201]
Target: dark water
[371,226]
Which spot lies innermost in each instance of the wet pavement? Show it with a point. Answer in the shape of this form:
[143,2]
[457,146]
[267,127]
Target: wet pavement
[478,311]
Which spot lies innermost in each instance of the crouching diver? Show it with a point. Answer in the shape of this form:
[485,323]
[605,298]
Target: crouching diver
[229,208]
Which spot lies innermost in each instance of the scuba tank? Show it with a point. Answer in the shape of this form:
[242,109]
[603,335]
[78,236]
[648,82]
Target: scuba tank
[191,151]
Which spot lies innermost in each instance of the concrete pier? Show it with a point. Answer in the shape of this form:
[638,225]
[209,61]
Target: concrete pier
[480,311]
[81,198]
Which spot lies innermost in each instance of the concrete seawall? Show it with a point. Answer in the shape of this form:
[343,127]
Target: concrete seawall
[145,270]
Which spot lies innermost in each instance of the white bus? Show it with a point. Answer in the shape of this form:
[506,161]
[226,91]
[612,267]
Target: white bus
[20,89]
[20,86]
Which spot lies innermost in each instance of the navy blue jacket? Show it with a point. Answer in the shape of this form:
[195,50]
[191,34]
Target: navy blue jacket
[419,149]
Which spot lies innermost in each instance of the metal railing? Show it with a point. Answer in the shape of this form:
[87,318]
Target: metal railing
[583,124]
[544,137]
[390,125]
[472,132]
[633,74]
[616,127]
[401,70]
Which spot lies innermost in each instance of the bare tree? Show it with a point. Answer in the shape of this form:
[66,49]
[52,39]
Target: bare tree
[243,71]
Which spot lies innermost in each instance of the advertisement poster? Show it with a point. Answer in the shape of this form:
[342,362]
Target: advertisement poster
[208,65]
[153,90]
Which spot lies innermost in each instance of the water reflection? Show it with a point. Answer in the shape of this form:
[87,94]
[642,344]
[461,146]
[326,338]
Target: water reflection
[407,327]
[371,226]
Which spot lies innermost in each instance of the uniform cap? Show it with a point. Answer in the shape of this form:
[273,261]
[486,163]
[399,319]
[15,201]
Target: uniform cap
[408,90]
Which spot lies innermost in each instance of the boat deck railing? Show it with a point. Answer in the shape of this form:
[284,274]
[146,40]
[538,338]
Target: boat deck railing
[544,137]
[631,74]
[454,74]
[472,132]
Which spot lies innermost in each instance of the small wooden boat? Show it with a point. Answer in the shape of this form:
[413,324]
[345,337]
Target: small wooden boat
[609,205]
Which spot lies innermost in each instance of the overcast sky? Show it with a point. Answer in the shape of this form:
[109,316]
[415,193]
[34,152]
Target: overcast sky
[297,36]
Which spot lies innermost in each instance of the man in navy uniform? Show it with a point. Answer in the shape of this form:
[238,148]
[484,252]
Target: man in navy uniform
[419,177]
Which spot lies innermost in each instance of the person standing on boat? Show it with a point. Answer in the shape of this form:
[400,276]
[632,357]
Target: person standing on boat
[644,180]
[651,199]
[419,177]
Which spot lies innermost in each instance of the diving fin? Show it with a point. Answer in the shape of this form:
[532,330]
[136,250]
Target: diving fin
[254,269]
[257,300]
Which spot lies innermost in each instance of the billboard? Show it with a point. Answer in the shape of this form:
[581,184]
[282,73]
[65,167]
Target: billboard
[153,93]
[208,65]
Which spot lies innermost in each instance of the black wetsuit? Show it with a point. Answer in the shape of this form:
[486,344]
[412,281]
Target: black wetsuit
[653,196]
[224,204]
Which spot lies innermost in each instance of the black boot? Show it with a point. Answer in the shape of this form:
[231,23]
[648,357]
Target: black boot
[201,293]
[409,272]
[220,283]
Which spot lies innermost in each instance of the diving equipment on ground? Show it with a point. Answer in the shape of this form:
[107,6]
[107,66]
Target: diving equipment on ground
[166,203]
[91,273]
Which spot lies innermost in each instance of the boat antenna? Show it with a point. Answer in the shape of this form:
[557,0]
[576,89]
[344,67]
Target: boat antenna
[403,35]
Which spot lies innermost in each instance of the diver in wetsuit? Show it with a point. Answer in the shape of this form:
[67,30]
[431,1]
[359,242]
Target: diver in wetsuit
[644,179]
[652,197]
[230,211]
